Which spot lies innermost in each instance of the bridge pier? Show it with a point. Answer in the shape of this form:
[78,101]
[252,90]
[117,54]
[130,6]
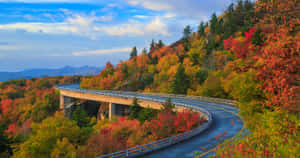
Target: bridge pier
[64,100]
[66,104]
[112,110]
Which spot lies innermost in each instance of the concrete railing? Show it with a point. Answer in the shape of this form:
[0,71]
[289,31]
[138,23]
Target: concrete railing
[201,98]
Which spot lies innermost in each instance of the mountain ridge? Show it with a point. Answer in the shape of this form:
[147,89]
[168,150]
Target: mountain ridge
[43,72]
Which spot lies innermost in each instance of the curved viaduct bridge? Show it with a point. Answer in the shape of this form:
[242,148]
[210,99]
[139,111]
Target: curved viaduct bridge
[223,121]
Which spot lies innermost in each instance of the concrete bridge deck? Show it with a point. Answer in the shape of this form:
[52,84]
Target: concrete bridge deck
[225,120]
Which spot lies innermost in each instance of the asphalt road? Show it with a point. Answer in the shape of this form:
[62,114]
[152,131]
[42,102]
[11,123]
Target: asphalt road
[226,124]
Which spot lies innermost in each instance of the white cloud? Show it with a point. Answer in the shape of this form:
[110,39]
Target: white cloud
[198,9]
[89,26]
[170,15]
[141,16]
[10,47]
[175,13]
[29,17]
[152,4]
[47,1]
[58,55]
[187,8]
[50,16]
[114,5]
[131,28]
[51,28]
[157,26]
[85,21]
[102,52]
[77,24]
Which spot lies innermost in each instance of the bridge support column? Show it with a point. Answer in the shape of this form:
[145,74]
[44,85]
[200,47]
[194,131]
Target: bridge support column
[65,101]
[112,110]
[61,102]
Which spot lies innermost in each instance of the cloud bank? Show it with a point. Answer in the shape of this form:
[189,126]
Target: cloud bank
[89,26]
[102,52]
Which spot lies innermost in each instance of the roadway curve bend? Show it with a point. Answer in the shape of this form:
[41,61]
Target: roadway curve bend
[226,121]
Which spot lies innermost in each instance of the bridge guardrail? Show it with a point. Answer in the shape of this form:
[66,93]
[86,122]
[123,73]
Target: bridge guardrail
[162,143]
[156,145]
[201,98]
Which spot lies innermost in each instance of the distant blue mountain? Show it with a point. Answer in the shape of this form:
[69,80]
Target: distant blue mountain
[38,73]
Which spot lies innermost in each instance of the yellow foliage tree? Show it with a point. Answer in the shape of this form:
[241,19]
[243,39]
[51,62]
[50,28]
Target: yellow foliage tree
[47,135]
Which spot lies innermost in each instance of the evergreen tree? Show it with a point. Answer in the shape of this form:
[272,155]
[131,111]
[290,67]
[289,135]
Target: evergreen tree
[186,34]
[215,25]
[146,114]
[152,46]
[160,44]
[81,117]
[51,102]
[187,31]
[144,51]
[5,141]
[257,38]
[201,28]
[201,75]
[238,18]
[133,52]
[180,83]
[124,68]
[154,60]
[168,105]
[134,109]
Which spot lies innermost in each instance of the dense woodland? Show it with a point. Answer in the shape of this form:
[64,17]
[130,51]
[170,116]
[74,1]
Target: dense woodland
[250,54]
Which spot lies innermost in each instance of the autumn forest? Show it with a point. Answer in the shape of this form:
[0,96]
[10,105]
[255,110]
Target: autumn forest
[249,53]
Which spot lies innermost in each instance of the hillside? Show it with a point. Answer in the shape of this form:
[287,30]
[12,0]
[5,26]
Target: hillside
[250,53]
[184,66]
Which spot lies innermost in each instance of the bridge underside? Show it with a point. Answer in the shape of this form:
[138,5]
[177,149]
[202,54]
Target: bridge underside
[116,106]
[101,110]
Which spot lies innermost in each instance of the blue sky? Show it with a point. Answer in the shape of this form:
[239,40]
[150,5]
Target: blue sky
[56,33]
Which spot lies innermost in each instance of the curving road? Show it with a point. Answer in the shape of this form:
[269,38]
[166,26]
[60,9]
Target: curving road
[226,124]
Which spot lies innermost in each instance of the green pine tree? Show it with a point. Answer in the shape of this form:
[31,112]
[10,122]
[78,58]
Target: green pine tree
[5,143]
[134,109]
[168,105]
[201,28]
[186,42]
[180,82]
[147,114]
[133,52]
[160,44]
[213,23]
[81,117]
[152,45]
[187,31]
[144,51]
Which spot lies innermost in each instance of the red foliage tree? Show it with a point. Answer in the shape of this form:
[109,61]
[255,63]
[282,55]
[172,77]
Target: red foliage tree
[12,129]
[163,126]
[186,120]
[276,63]
[241,48]
[7,106]
[278,68]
